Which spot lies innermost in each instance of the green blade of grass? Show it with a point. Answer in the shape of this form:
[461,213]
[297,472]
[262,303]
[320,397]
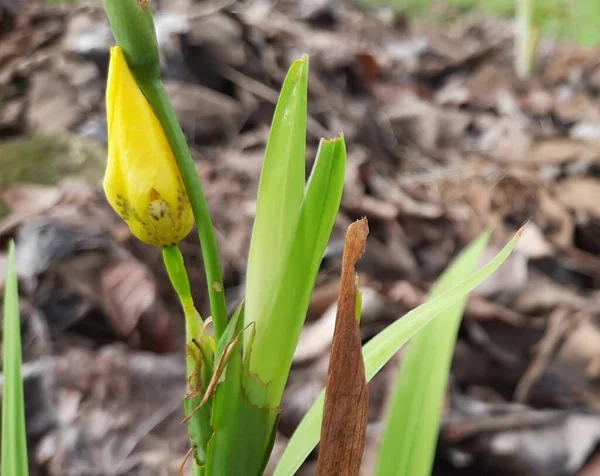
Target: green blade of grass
[14,440]
[411,429]
[379,350]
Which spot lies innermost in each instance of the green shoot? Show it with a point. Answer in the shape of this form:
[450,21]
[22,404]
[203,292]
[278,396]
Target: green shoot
[417,399]
[14,440]
[291,230]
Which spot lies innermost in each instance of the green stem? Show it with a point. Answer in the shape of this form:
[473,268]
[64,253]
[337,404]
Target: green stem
[158,99]
[175,266]
[173,260]
[526,38]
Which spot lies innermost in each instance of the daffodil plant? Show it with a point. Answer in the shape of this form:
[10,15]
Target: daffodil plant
[237,372]
[237,367]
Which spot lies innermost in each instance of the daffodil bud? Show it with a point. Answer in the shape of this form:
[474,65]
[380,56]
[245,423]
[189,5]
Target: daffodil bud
[142,181]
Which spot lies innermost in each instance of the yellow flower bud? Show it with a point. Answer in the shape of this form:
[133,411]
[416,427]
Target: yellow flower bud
[142,181]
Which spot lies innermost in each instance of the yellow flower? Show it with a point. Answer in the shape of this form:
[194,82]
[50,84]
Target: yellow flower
[142,181]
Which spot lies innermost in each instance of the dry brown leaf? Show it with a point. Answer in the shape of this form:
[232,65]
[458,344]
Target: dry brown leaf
[533,244]
[30,198]
[323,297]
[511,277]
[486,83]
[128,290]
[405,204]
[539,101]
[26,201]
[555,221]
[580,194]
[11,115]
[414,120]
[555,151]
[483,310]
[372,207]
[582,345]
[53,106]
[347,395]
[577,107]
[544,295]
[567,60]
[203,113]
[505,140]
[558,325]
[315,338]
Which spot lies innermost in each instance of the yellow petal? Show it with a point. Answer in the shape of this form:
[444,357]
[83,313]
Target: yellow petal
[142,181]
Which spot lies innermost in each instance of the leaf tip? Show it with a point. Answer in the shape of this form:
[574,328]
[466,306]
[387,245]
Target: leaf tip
[11,255]
[301,63]
[521,230]
[360,229]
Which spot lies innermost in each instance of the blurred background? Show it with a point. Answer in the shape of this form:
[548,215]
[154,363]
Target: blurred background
[444,139]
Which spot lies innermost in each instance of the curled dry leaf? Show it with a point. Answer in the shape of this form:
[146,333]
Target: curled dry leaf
[24,202]
[130,298]
[128,290]
[346,396]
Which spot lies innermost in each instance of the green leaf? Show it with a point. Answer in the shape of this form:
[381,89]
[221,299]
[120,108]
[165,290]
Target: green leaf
[283,313]
[14,441]
[199,429]
[378,351]
[417,399]
[280,195]
[243,433]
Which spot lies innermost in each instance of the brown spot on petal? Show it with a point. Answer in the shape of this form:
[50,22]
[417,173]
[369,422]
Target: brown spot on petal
[154,195]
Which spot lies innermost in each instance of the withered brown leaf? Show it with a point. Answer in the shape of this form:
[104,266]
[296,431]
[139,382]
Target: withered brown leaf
[347,395]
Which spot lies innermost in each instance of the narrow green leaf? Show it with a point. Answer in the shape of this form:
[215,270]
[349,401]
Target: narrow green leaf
[278,331]
[14,440]
[233,327]
[378,351]
[409,439]
[280,194]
